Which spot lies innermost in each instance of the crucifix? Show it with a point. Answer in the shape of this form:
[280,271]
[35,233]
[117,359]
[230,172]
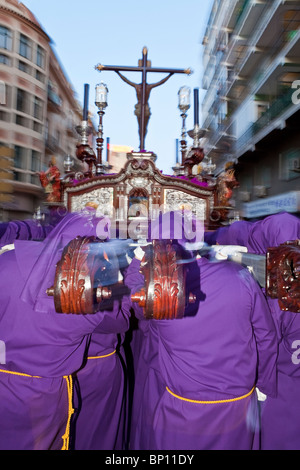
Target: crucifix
[143,89]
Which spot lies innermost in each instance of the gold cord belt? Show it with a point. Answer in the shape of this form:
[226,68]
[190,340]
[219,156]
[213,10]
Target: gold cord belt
[206,402]
[69,381]
[101,357]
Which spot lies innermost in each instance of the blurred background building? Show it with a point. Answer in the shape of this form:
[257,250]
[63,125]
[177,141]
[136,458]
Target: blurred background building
[117,156]
[251,107]
[38,110]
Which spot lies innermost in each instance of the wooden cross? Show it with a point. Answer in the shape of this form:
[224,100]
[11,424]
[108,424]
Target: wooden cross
[142,110]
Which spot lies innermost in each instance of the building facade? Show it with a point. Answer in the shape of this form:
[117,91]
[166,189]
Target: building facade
[38,110]
[251,107]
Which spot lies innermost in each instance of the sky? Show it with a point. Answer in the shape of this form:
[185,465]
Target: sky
[114,32]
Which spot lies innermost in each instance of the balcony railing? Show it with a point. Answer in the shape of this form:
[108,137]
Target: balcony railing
[277,108]
[52,143]
[243,7]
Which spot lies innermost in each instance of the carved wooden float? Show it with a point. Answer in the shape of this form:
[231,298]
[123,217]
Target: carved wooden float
[283,275]
[164,294]
[87,275]
[83,277]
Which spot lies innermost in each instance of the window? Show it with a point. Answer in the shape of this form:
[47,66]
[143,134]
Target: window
[19,156]
[19,176]
[35,167]
[38,108]
[35,160]
[57,137]
[2,92]
[52,94]
[37,127]
[22,101]
[290,164]
[46,129]
[22,121]
[5,38]
[20,164]
[4,116]
[24,67]
[5,100]
[25,49]
[40,76]
[4,59]
[40,57]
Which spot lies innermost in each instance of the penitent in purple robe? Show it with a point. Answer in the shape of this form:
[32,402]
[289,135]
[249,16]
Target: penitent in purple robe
[148,383]
[3,227]
[280,420]
[198,391]
[42,349]
[24,230]
[206,363]
[101,383]
[261,235]
[147,380]
[100,398]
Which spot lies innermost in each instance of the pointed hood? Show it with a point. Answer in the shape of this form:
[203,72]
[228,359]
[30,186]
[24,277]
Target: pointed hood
[44,257]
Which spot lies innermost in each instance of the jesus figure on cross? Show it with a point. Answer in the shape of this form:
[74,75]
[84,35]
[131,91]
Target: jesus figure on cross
[139,93]
[143,89]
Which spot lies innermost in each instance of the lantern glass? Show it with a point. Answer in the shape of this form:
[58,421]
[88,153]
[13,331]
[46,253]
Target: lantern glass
[68,163]
[101,95]
[184,98]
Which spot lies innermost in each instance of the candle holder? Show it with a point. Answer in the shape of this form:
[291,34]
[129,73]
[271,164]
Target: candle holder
[196,134]
[184,104]
[68,166]
[84,130]
[86,102]
[208,169]
[38,216]
[101,103]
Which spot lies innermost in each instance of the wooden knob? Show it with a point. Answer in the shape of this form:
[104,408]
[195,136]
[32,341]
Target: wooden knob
[103,293]
[192,298]
[139,297]
[50,291]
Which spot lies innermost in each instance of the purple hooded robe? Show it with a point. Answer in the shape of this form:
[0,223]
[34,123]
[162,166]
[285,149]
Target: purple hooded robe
[100,397]
[24,230]
[261,235]
[3,227]
[101,387]
[280,420]
[42,349]
[195,376]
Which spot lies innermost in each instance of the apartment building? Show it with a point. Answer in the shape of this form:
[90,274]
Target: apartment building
[251,107]
[38,110]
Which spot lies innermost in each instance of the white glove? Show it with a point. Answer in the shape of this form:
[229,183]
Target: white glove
[7,248]
[139,253]
[260,396]
[223,251]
